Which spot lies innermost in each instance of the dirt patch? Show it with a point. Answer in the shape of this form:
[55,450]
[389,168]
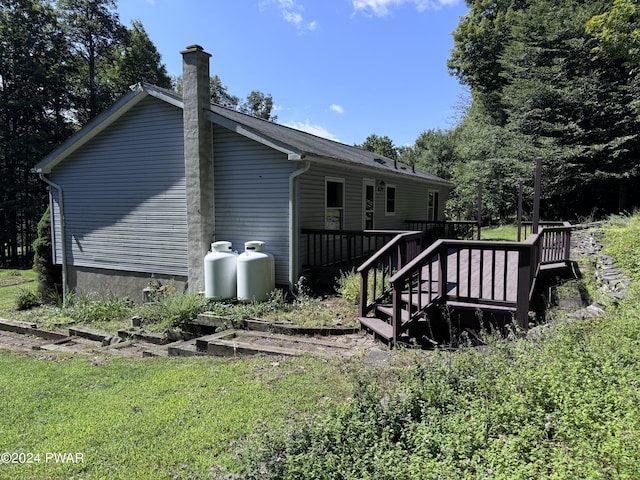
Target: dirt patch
[13,280]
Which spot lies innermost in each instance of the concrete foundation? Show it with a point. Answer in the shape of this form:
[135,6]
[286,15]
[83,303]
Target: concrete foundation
[118,283]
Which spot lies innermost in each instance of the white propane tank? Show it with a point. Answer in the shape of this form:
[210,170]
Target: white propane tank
[220,271]
[256,272]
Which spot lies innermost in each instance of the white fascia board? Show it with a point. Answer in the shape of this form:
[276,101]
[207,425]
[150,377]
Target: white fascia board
[93,128]
[292,154]
[159,94]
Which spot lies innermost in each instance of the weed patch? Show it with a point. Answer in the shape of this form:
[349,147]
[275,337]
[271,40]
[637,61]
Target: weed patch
[563,405]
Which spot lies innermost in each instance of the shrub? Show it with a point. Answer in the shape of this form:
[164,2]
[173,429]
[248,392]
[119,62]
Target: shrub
[49,275]
[27,300]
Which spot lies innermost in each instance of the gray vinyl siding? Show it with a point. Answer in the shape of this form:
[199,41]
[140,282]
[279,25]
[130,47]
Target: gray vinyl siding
[252,196]
[411,198]
[124,195]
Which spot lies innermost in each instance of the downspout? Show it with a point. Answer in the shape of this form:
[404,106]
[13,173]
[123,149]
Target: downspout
[294,224]
[63,243]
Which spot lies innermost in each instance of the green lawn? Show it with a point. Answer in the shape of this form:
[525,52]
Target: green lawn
[151,418]
[11,283]
[502,233]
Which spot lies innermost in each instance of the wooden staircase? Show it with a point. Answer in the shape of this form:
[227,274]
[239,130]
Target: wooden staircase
[404,287]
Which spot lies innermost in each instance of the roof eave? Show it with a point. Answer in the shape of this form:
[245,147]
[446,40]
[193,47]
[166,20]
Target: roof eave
[291,152]
[381,170]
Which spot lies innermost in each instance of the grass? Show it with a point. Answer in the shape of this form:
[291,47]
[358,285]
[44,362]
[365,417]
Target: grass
[621,242]
[152,418]
[507,233]
[562,404]
[11,283]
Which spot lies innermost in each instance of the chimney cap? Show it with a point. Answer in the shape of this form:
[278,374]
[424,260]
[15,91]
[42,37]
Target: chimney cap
[194,48]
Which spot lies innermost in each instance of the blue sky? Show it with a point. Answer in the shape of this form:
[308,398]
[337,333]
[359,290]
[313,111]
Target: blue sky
[341,69]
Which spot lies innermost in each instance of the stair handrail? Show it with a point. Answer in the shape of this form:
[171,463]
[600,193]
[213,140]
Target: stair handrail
[398,246]
[529,259]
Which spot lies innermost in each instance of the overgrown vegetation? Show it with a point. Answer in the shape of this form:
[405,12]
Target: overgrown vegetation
[622,243]
[172,309]
[563,403]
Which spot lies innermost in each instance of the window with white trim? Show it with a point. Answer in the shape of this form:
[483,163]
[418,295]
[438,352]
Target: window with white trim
[334,203]
[390,200]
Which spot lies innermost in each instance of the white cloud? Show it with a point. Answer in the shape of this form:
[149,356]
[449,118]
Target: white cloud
[292,12]
[316,130]
[380,8]
[337,108]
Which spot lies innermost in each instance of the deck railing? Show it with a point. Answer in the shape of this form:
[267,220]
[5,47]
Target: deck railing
[343,249]
[486,273]
[434,230]
[376,271]
[526,228]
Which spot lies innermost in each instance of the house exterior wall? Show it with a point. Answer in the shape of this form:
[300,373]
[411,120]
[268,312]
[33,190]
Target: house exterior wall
[251,185]
[411,197]
[411,201]
[124,196]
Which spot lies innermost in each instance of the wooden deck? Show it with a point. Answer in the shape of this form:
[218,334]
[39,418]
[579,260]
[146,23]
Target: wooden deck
[485,275]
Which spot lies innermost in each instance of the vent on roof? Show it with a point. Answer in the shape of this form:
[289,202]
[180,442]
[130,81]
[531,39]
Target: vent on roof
[380,161]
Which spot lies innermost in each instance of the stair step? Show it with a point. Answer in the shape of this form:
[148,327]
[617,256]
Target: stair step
[424,298]
[483,306]
[377,326]
[387,311]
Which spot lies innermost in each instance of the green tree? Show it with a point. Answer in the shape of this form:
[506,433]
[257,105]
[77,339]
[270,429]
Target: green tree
[435,152]
[95,32]
[539,92]
[256,104]
[220,94]
[140,61]
[380,145]
[618,31]
[259,105]
[33,107]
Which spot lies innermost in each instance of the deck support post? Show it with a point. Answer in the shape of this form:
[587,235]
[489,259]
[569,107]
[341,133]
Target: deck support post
[536,196]
[479,209]
[396,315]
[524,283]
[364,291]
[520,194]
[443,255]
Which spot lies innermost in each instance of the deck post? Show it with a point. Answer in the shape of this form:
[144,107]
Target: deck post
[442,272]
[567,246]
[524,279]
[536,196]
[364,287]
[479,209]
[520,212]
[396,313]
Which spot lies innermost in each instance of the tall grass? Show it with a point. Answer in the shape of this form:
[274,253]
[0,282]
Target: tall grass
[562,404]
